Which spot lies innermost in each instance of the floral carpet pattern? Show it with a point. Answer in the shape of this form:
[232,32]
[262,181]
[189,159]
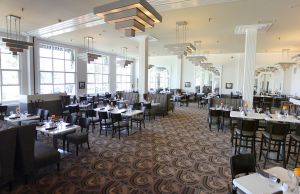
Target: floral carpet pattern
[173,154]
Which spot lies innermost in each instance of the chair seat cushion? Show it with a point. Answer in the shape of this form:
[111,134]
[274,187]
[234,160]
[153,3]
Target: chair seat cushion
[274,137]
[77,138]
[95,119]
[108,122]
[245,133]
[45,155]
[122,124]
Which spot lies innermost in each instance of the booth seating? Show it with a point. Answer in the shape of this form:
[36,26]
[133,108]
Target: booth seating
[229,102]
[129,96]
[165,103]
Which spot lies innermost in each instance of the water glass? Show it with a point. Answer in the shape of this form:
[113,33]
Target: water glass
[272,180]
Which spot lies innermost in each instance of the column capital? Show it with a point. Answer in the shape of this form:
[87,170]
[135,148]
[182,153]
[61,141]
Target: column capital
[243,29]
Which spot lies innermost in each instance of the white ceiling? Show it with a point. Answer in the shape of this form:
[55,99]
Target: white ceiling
[217,36]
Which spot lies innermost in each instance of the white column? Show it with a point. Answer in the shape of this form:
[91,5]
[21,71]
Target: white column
[112,74]
[249,65]
[181,71]
[143,66]
[206,78]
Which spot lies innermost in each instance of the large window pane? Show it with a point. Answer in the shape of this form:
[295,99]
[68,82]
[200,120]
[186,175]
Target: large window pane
[61,70]
[10,93]
[70,78]
[58,89]
[46,51]
[58,65]
[46,77]
[90,88]
[91,68]
[70,66]
[70,89]
[9,61]
[58,78]
[10,77]
[58,52]
[45,64]
[98,78]
[46,89]
[91,78]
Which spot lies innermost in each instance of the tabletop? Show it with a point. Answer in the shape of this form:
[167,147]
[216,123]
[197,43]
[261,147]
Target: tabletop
[257,184]
[123,111]
[262,116]
[63,128]
[15,118]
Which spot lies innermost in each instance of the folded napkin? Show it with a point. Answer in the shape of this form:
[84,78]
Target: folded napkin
[267,175]
[102,108]
[14,117]
[51,128]
[69,125]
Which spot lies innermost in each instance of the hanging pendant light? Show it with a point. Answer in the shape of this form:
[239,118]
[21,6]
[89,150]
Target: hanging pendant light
[286,60]
[130,16]
[89,56]
[13,35]
[181,47]
[125,59]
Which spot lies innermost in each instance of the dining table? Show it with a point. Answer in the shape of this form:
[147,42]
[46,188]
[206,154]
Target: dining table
[54,130]
[266,117]
[128,113]
[18,118]
[257,184]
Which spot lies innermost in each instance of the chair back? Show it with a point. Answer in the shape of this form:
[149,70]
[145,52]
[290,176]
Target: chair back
[45,114]
[25,149]
[91,113]
[278,128]
[3,110]
[107,95]
[102,115]
[74,109]
[249,125]
[226,114]
[116,117]
[147,106]
[214,113]
[242,164]
[72,119]
[82,99]
[39,112]
[137,106]
[7,154]
[268,100]
[84,123]
[297,129]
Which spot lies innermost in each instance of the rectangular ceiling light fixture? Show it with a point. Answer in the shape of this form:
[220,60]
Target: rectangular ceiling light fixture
[130,15]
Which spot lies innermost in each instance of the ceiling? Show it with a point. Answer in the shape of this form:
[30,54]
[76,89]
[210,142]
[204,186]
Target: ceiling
[211,21]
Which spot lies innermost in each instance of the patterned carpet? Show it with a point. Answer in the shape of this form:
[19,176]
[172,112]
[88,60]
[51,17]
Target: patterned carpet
[174,154]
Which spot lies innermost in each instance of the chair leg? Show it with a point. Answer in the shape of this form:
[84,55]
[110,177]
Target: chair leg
[235,145]
[278,151]
[68,146]
[261,147]
[64,144]
[119,133]
[88,144]
[283,147]
[128,131]
[267,154]
[289,151]
[58,166]
[297,157]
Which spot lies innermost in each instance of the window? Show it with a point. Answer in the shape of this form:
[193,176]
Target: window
[159,78]
[98,76]
[57,70]
[10,76]
[124,76]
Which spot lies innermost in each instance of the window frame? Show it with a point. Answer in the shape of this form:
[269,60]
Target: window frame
[123,74]
[65,71]
[18,70]
[104,62]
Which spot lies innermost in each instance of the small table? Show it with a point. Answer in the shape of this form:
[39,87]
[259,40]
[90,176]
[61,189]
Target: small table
[256,184]
[18,119]
[63,128]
